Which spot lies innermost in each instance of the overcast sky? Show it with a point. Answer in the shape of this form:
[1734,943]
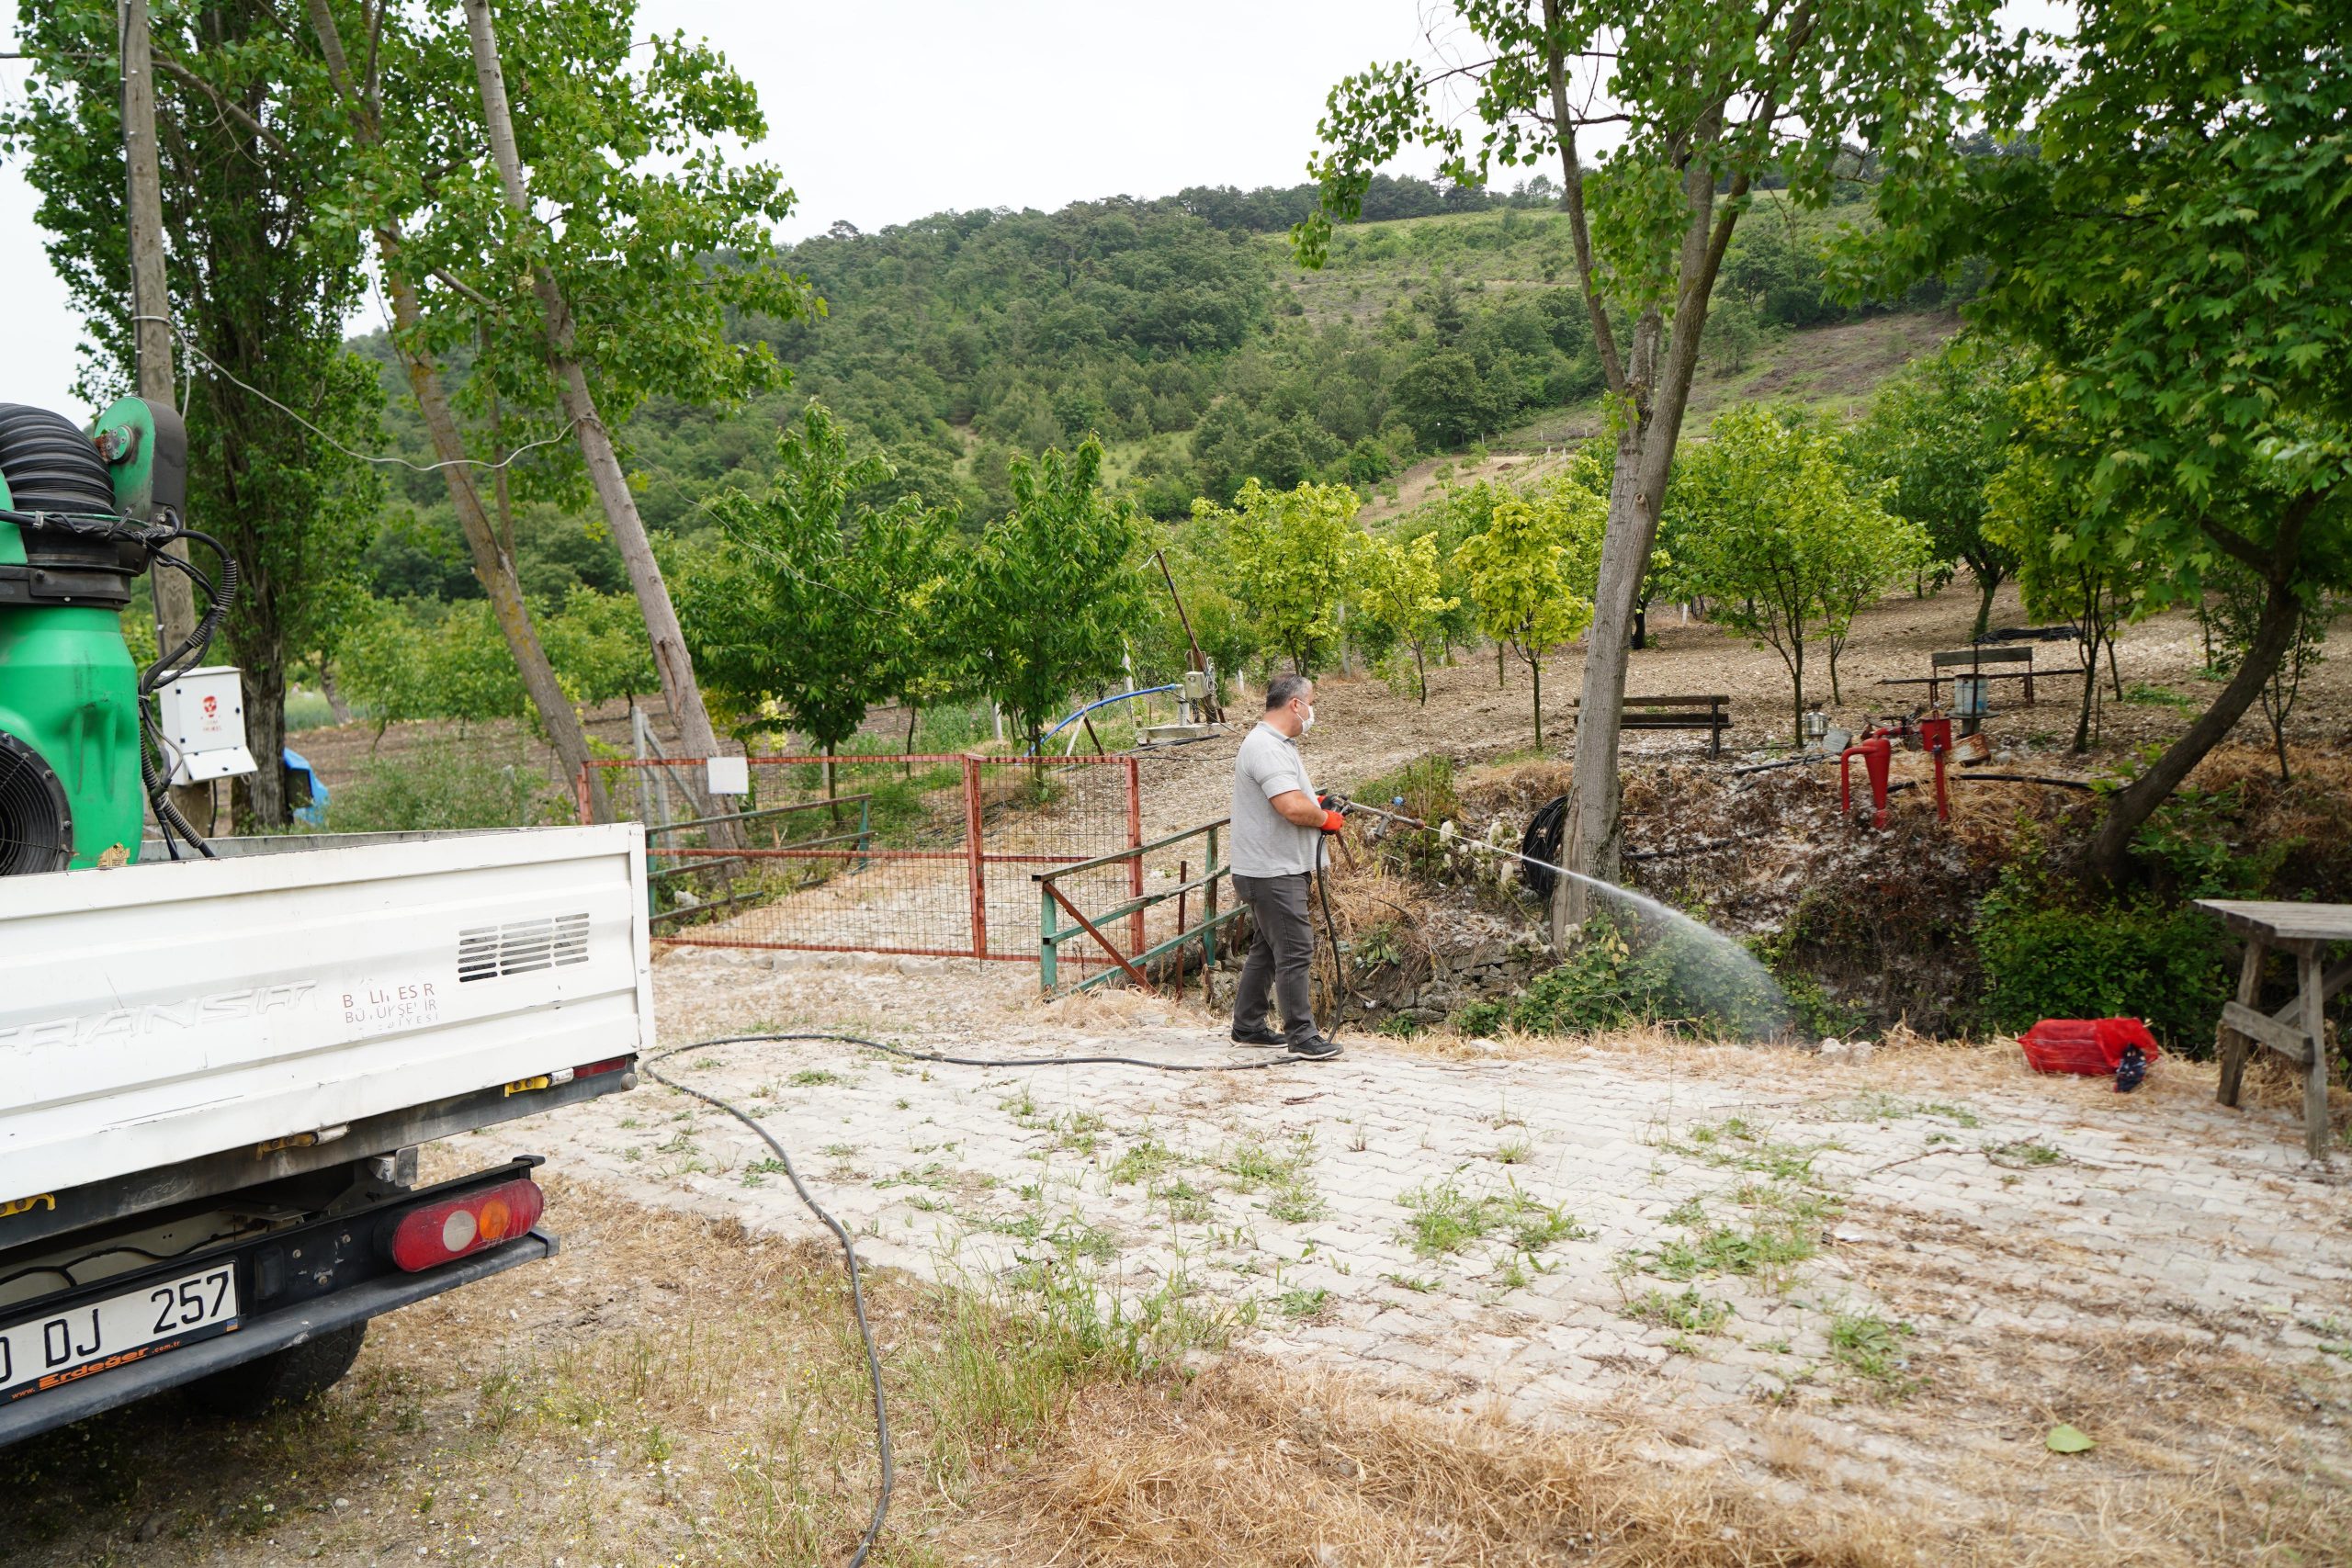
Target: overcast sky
[882,113]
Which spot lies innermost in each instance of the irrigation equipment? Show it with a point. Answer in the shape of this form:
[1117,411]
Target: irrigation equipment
[1081,716]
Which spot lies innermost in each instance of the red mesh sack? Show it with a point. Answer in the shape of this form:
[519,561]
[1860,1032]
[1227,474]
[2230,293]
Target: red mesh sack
[2091,1046]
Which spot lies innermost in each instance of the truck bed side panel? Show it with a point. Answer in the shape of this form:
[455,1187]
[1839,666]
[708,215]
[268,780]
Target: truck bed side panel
[161,1012]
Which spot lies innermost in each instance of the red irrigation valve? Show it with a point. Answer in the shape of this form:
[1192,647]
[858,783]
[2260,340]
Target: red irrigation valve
[1877,753]
[1935,736]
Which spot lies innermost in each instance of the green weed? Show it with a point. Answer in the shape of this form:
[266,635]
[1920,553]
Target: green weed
[1689,1311]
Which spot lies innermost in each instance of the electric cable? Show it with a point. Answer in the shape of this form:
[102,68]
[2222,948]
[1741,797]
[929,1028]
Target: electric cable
[840,1234]
[189,345]
[65,1270]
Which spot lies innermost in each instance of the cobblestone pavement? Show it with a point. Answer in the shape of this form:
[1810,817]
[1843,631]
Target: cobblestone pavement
[1700,1232]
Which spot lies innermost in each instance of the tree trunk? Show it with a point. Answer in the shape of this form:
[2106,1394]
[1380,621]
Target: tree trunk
[1421,670]
[2114,676]
[2090,695]
[1535,676]
[913,712]
[671,661]
[493,568]
[1987,584]
[335,704]
[2277,714]
[1654,381]
[1499,672]
[151,336]
[1796,690]
[257,799]
[2132,806]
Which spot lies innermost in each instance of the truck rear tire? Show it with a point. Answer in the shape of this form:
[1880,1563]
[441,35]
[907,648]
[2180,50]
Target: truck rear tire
[292,1376]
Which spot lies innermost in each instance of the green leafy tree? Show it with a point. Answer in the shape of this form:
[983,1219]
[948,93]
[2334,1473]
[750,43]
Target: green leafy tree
[2165,222]
[1517,567]
[1449,400]
[1399,590]
[1702,101]
[383,668]
[929,654]
[1940,432]
[800,608]
[1292,553]
[1775,536]
[259,294]
[2069,565]
[598,645]
[1052,591]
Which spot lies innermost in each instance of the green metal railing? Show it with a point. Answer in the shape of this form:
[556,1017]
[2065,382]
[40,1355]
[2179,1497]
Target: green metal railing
[1052,904]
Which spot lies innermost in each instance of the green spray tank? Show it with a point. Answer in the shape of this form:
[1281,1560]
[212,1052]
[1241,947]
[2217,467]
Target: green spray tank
[71,764]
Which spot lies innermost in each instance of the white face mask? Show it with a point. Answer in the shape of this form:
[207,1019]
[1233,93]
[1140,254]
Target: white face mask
[1306,721]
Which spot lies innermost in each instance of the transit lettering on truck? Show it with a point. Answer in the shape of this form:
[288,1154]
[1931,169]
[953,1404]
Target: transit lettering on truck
[129,1023]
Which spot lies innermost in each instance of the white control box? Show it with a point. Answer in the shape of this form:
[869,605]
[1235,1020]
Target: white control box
[203,715]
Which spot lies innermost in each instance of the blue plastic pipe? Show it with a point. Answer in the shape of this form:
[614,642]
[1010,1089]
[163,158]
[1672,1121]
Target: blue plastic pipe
[1123,696]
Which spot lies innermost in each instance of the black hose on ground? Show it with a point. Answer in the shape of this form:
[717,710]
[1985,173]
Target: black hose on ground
[2082,785]
[849,1248]
[1331,939]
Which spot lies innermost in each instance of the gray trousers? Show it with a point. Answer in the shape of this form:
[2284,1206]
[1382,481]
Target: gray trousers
[1282,945]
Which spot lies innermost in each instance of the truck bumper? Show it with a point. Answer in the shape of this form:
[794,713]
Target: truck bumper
[271,1331]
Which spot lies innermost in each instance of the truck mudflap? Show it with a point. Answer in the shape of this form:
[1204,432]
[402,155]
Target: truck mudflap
[284,1287]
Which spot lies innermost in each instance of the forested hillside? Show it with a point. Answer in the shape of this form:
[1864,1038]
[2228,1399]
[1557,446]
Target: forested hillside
[1179,330]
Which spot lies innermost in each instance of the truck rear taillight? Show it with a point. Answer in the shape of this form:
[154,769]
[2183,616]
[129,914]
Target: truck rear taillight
[438,1232]
[609,1064]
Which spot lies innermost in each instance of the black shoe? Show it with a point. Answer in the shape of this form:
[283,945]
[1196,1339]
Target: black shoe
[1256,1037]
[1318,1049]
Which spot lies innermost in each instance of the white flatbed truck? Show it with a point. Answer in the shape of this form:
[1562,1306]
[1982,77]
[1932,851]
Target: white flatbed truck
[215,1076]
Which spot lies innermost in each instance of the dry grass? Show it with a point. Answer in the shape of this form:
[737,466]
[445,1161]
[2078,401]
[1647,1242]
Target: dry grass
[669,1389]
[1253,1465]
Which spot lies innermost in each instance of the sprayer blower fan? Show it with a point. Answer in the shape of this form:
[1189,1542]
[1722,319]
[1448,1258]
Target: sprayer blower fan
[36,825]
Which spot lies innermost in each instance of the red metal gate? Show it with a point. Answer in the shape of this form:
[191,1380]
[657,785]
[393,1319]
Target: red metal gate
[930,853]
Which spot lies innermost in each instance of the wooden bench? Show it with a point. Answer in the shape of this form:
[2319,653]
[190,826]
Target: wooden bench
[1970,661]
[1708,713]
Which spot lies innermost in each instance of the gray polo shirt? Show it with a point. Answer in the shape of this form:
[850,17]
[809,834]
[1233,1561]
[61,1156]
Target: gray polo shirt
[1264,843]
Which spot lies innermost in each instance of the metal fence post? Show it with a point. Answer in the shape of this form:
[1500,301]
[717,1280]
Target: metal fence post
[1048,941]
[1208,932]
[864,829]
[1134,841]
[973,857]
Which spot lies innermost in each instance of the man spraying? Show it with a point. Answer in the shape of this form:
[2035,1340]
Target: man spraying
[1279,826]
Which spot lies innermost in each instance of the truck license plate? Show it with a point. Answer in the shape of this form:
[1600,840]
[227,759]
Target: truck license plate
[43,1352]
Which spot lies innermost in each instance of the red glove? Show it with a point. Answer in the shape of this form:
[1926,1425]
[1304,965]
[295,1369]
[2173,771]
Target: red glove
[1334,823]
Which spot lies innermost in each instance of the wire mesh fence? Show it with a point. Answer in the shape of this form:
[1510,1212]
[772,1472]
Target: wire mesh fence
[910,854]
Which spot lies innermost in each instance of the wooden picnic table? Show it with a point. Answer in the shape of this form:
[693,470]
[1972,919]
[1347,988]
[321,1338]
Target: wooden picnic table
[2298,1030]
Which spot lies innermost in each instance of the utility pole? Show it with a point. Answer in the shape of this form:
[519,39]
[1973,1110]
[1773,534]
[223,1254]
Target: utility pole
[151,337]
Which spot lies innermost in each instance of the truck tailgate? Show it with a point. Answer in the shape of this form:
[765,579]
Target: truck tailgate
[155,1013]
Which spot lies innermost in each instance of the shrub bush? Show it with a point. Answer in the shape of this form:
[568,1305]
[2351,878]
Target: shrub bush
[2047,955]
[442,788]
[1624,975]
